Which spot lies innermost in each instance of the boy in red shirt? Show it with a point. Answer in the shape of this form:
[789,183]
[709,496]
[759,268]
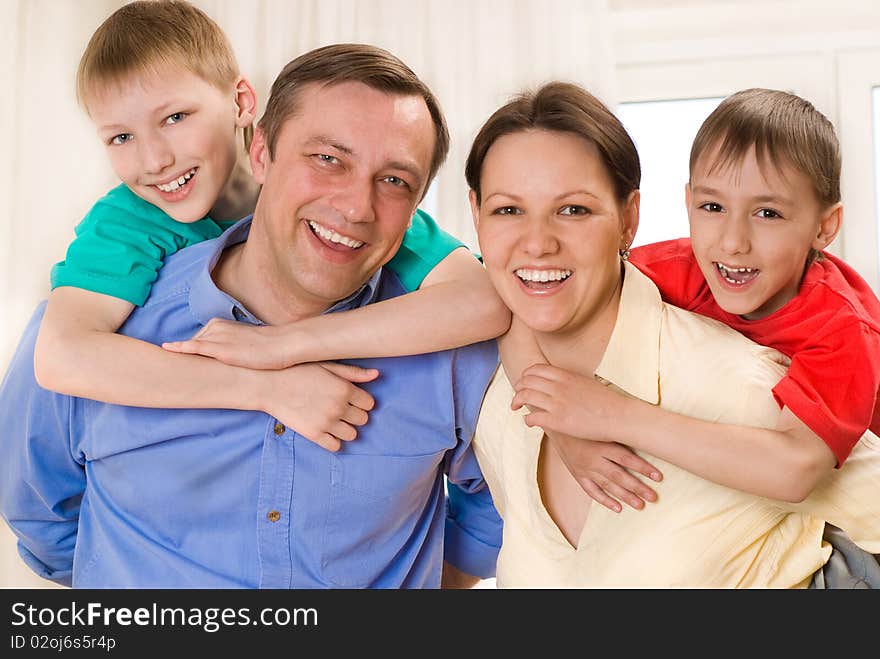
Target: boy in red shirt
[763,202]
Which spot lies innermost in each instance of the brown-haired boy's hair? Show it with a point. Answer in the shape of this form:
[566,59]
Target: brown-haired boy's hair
[566,108]
[144,36]
[783,128]
[338,63]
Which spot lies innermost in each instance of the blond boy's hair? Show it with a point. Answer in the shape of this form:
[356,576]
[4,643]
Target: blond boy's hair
[144,37]
[783,128]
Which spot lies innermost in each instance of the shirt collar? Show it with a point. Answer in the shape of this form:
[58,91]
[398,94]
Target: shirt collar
[632,359]
[206,301]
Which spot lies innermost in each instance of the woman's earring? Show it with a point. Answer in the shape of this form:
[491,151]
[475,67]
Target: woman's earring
[624,253]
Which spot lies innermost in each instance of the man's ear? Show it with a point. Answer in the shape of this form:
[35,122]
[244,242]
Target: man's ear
[245,102]
[630,218]
[475,208]
[259,155]
[829,226]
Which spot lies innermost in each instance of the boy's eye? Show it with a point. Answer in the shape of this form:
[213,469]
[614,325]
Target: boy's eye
[122,138]
[712,207]
[768,214]
[507,210]
[574,209]
[175,118]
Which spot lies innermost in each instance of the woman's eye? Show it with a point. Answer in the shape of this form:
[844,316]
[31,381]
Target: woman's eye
[506,210]
[712,207]
[122,138]
[175,118]
[768,214]
[574,209]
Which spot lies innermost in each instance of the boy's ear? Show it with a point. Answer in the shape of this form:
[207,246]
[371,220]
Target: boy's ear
[259,155]
[630,218]
[475,208]
[687,196]
[245,102]
[829,226]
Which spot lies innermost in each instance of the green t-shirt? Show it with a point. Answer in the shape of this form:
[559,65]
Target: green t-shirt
[122,241]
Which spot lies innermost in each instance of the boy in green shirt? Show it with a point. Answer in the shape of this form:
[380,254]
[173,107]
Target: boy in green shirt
[161,84]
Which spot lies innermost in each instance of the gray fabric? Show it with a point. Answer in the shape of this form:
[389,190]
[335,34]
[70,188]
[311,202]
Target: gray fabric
[849,566]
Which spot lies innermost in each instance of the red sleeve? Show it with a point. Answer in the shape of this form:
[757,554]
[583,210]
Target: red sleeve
[673,269]
[832,386]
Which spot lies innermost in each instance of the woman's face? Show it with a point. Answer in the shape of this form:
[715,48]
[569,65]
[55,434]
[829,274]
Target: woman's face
[550,229]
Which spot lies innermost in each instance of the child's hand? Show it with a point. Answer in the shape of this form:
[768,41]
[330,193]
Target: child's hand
[239,344]
[568,403]
[603,471]
[319,401]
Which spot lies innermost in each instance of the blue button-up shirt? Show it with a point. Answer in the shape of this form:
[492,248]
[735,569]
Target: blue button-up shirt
[112,496]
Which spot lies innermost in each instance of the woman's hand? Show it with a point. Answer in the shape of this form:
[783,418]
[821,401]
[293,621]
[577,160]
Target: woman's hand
[603,470]
[241,344]
[319,401]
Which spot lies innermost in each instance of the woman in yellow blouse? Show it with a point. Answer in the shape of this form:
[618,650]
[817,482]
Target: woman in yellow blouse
[554,183]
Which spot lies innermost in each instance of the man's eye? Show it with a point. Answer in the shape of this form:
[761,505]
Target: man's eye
[768,214]
[574,209]
[396,181]
[175,118]
[122,138]
[506,210]
[712,207]
[323,157]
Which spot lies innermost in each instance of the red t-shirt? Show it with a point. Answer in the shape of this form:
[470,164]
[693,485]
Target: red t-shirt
[830,330]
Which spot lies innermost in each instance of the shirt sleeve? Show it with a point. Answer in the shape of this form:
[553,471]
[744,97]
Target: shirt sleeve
[120,246]
[424,245]
[832,386]
[672,267]
[473,527]
[41,482]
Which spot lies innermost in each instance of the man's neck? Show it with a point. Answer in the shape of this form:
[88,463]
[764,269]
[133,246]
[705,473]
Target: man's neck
[255,283]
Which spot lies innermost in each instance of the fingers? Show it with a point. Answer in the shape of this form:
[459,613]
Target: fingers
[356,416]
[351,372]
[535,400]
[546,372]
[599,495]
[627,488]
[633,462]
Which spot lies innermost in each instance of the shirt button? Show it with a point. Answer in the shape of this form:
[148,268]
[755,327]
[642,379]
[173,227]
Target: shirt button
[273,516]
[279,428]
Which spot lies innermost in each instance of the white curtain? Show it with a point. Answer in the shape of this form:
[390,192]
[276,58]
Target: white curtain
[474,54]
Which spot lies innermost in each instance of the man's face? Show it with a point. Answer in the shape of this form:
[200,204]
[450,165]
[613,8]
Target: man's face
[348,171]
[171,139]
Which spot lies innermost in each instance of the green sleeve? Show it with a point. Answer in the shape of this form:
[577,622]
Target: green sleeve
[120,246]
[424,246]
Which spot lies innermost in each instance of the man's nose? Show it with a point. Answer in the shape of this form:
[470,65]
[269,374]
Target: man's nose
[354,201]
[156,154]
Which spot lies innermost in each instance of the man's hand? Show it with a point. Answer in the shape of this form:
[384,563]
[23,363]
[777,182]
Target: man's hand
[320,401]
[604,471]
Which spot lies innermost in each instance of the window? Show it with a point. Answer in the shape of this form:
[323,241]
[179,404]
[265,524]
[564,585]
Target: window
[663,132]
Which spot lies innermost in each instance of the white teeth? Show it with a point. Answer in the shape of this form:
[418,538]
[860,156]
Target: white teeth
[175,185]
[726,272]
[542,275]
[724,269]
[333,237]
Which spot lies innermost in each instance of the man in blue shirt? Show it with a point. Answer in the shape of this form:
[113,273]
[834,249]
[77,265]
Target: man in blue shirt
[107,496]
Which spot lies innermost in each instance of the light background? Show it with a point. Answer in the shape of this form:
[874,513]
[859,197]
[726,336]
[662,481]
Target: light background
[474,54]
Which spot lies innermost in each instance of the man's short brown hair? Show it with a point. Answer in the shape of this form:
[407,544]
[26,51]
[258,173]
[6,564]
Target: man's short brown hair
[338,63]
